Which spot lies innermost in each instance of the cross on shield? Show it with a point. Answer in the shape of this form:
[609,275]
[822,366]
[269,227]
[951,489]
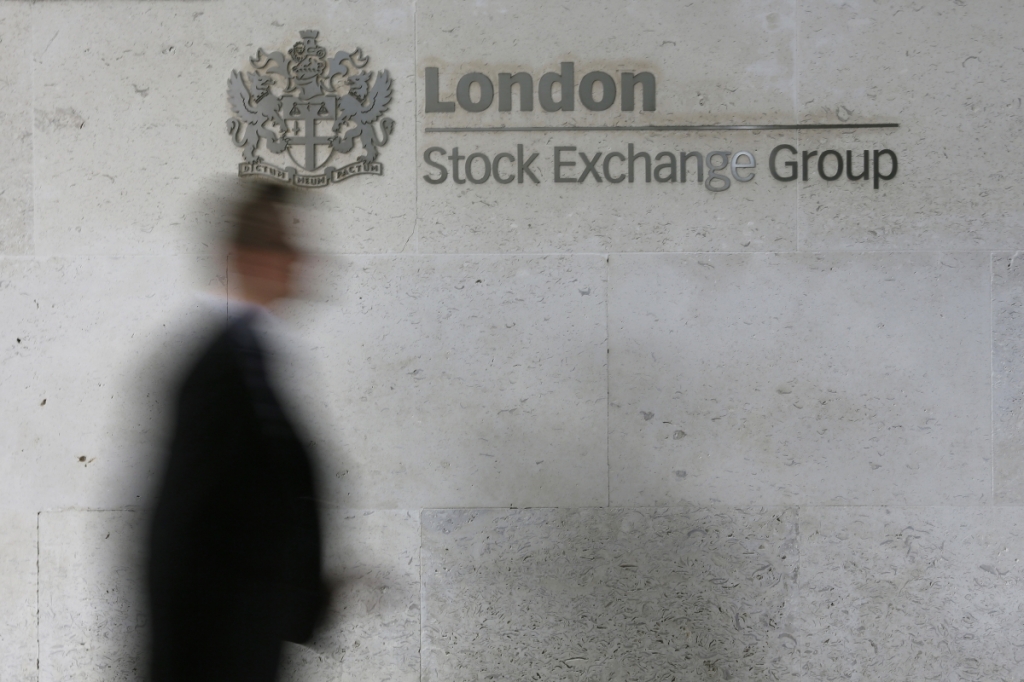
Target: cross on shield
[308,114]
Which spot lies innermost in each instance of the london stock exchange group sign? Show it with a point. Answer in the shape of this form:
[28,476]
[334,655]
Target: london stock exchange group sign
[325,107]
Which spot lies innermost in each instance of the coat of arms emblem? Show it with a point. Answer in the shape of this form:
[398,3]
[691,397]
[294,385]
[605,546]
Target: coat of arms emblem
[326,106]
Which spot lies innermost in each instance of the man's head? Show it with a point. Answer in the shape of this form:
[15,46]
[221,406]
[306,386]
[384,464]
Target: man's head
[262,253]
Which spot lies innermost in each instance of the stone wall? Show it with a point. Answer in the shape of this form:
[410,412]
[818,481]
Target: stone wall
[568,431]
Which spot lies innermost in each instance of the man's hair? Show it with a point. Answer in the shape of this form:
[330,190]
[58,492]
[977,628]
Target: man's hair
[258,220]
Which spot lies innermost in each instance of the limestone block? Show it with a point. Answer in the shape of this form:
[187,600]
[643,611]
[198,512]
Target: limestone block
[947,73]
[88,343]
[373,627]
[92,621]
[131,111]
[910,594]
[18,555]
[1007,378]
[456,380]
[609,594]
[799,378]
[701,78]
[16,118]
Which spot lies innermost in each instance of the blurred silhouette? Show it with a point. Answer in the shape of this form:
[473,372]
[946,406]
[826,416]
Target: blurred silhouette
[234,563]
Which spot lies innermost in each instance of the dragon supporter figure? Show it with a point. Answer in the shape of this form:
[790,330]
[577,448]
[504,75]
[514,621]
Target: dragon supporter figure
[310,97]
[255,109]
[363,106]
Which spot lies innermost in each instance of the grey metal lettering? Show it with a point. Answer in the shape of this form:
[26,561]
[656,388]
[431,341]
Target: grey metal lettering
[565,79]
[433,102]
[495,169]
[791,165]
[434,164]
[290,176]
[505,83]
[607,91]
[645,80]
[892,171]
[807,156]
[455,157]
[849,166]
[524,168]
[632,159]
[734,166]
[559,164]
[683,158]
[464,96]
[713,169]
[614,179]
[590,166]
[839,167]
[469,168]
[669,165]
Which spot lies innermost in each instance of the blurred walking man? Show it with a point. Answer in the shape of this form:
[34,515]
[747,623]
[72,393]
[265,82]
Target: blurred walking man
[234,563]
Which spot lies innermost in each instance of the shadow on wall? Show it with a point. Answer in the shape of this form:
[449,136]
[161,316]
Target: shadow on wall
[605,594]
[609,594]
[94,626]
[599,594]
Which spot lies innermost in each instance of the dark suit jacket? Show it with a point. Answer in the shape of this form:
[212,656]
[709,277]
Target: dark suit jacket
[235,550]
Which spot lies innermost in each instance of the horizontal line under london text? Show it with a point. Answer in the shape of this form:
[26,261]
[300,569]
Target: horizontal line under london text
[661,128]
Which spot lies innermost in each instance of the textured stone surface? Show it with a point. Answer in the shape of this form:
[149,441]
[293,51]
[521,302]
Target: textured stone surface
[451,380]
[814,379]
[491,364]
[613,593]
[719,84]
[950,75]
[911,594]
[92,627]
[84,343]
[92,622]
[373,629]
[18,555]
[608,594]
[130,120]
[16,119]
[1008,378]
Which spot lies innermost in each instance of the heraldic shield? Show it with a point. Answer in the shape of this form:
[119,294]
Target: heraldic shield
[325,107]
